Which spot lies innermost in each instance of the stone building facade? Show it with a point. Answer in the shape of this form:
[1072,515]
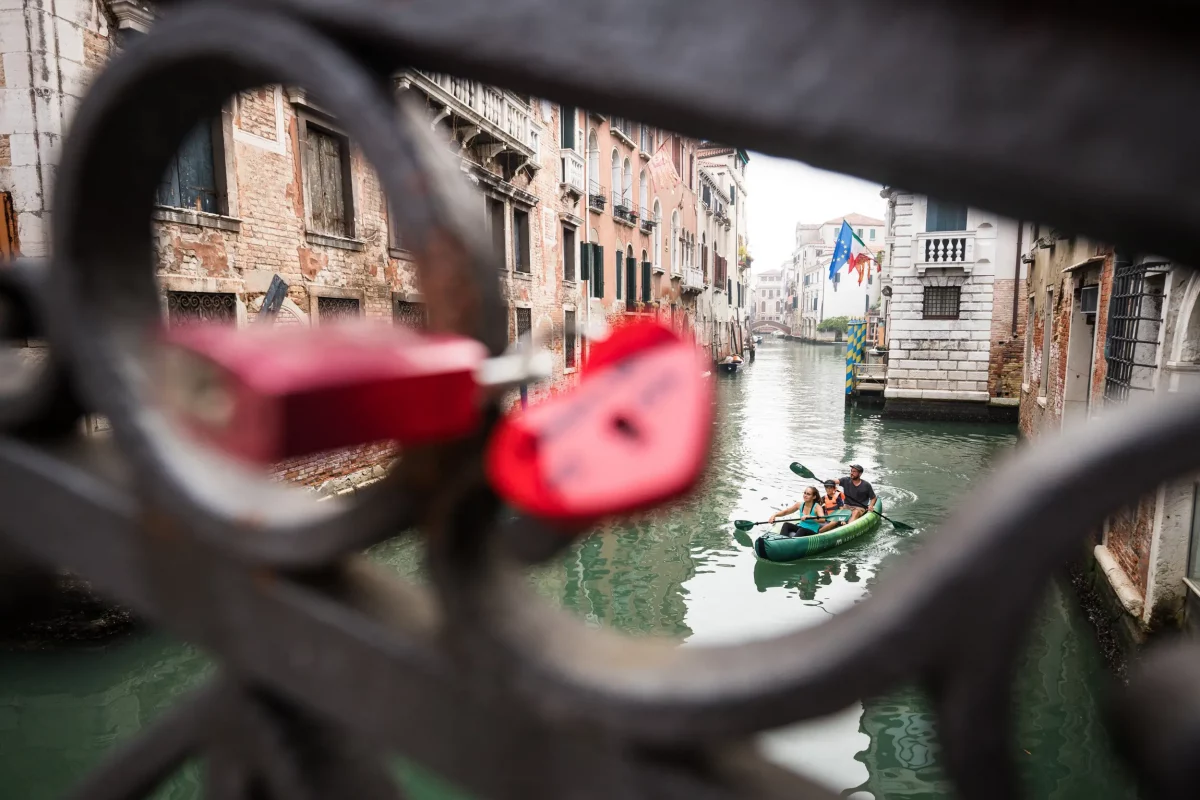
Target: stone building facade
[1107,328]
[822,297]
[949,340]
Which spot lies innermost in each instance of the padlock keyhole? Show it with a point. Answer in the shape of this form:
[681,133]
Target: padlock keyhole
[623,425]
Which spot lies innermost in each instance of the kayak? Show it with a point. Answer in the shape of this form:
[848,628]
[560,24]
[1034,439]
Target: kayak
[773,546]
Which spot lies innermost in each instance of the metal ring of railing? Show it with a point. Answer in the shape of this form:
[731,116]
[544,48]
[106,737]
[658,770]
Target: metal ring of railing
[105,303]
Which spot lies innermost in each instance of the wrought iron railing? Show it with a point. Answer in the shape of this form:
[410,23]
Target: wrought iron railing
[327,665]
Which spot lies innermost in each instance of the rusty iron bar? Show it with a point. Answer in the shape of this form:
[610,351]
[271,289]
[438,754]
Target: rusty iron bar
[334,664]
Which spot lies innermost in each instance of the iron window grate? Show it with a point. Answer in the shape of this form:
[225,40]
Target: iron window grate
[524,321]
[186,308]
[569,338]
[941,302]
[333,309]
[1134,325]
[409,314]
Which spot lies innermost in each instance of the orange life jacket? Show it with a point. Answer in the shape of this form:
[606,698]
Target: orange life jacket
[832,503]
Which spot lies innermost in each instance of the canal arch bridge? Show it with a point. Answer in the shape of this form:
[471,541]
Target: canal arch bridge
[769,327]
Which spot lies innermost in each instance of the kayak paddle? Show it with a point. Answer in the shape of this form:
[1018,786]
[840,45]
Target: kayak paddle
[805,472]
[745,524]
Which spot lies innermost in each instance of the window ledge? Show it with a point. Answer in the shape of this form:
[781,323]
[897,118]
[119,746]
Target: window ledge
[620,134]
[570,370]
[1041,401]
[199,219]
[527,276]
[340,242]
[569,282]
[400,252]
[1026,388]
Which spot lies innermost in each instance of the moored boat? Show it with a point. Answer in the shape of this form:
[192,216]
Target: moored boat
[774,546]
[731,364]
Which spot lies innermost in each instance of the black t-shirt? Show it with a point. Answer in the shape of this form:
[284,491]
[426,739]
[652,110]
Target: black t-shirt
[860,495]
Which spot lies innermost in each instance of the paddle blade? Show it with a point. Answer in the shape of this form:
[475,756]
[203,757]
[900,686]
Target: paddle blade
[743,524]
[802,471]
[900,526]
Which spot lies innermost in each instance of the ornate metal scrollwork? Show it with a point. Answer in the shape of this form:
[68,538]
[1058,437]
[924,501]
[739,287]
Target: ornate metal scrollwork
[329,664]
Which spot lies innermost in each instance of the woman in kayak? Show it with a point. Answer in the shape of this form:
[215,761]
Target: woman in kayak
[810,508]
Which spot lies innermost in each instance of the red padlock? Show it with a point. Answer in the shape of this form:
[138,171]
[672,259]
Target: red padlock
[635,433]
[267,394]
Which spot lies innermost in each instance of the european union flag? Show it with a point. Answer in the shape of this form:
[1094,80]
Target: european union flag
[841,249]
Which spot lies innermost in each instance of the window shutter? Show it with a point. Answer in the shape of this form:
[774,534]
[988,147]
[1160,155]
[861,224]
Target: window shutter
[598,271]
[631,265]
[646,265]
[585,261]
[619,260]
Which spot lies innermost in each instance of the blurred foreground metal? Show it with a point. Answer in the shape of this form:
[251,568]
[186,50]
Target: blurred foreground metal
[328,665]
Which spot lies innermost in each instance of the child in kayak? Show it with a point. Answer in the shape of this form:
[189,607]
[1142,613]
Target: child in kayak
[810,508]
[831,502]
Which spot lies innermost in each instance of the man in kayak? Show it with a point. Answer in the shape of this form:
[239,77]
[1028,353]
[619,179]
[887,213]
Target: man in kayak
[860,497]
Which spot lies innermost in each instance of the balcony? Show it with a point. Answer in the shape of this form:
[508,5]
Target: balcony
[622,129]
[944,250]
[597,197]
[623,210]
[496,121]
[648,221]
[572,171]
[693,280]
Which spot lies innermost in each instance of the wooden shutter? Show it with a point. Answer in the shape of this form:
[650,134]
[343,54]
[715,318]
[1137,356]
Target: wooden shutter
[585,261]
[620,260]
[631,280]
[646,267]
[598,271]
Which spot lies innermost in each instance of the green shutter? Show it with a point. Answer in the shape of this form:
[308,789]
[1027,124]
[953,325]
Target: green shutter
[646,266]
[585,261]
[620,260]
[597,271]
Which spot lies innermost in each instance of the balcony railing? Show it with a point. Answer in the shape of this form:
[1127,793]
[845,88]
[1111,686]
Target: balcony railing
[572,171]
[597,196]
[693,279]
[501,114]
[944,249]
[648,220]
[623,209]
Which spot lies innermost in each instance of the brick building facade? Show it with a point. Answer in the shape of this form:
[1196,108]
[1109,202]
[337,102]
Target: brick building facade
[275,187]
[1107,328]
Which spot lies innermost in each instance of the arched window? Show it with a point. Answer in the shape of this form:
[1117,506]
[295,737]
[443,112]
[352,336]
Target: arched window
[627,185]
[644,196]
[675,241]
[616,179]
[657,233]
[593,162]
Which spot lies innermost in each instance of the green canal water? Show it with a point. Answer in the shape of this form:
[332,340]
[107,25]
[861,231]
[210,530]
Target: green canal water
[683,575]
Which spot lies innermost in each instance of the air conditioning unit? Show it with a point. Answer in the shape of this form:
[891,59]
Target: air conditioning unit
[1089,299]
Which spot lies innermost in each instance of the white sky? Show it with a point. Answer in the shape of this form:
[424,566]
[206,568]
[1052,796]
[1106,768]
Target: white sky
[781,193]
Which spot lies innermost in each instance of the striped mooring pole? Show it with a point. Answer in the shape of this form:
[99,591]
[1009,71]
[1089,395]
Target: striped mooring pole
[855,346]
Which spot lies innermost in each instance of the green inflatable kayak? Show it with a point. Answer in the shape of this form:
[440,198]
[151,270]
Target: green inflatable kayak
[773,546]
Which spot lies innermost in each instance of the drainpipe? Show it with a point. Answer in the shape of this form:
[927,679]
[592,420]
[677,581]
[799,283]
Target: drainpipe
[587,237]
[1017,274]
